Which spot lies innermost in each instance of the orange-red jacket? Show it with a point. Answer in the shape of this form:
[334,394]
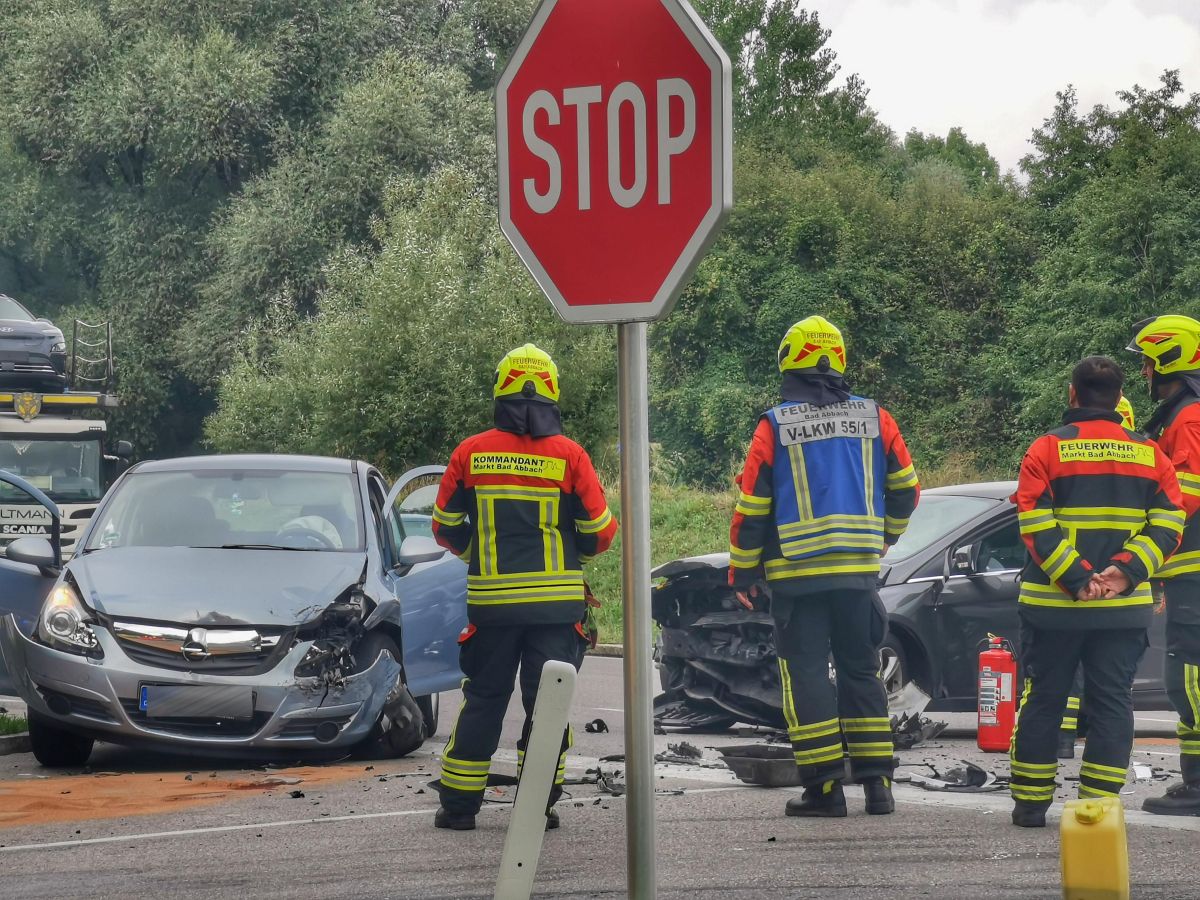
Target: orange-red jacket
[525,513]
[1179,438]
[1093,494]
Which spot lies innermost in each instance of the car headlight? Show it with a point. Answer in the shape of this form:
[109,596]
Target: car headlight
[58,347]
[65,623]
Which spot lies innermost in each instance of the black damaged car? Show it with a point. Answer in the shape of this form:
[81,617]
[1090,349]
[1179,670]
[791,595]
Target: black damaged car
[33,352]
[950,581]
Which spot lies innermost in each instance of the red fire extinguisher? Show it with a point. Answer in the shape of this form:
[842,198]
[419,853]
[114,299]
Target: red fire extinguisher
[997,695]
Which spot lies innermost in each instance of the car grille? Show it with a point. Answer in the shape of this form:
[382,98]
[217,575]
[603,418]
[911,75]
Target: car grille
[159,645]
[79,706]
[195,726]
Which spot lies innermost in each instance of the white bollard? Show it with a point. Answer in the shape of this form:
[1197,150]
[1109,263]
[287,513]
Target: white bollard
[527,826]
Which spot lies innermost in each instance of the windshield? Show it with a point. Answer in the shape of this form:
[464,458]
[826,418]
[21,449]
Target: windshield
[11,309]
[68,471]
[936,516]
[233,508]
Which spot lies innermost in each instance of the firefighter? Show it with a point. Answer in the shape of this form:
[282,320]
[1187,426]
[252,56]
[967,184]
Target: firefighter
[520,503]
[1099,510]
[827,487]
[1074,722]
[1170,349]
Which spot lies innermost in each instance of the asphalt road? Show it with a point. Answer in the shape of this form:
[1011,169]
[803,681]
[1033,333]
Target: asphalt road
[368,832]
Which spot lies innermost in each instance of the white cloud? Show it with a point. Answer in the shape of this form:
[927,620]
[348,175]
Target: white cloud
[993,66]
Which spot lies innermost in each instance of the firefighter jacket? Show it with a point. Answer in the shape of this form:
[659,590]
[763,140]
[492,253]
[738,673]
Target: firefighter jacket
[823,490]
[1179,437]
[525,513]
[1092,494]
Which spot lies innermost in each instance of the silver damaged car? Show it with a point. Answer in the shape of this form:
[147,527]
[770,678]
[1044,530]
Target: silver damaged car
[235,605]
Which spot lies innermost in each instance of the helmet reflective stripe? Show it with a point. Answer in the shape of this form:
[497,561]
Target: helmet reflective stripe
[527,371]
[1170,343]
[813,345]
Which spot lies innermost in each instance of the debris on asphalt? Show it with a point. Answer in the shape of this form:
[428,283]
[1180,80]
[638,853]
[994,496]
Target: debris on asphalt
[296,795]
[967,778]
[912,731]
[596,726]
[770,765]
[684,749]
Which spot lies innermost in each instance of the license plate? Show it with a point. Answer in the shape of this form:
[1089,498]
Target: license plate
[196,701]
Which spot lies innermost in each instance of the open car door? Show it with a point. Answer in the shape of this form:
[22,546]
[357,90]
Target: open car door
[24,585]
[429,582]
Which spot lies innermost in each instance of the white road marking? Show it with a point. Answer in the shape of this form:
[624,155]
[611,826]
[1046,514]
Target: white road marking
[607,709]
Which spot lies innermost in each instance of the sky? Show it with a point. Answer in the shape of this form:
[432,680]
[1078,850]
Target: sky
[993,66]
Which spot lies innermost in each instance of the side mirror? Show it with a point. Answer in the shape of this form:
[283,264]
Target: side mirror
[966,560]
[418,549]
[123,450]
[33,546]
[35,551]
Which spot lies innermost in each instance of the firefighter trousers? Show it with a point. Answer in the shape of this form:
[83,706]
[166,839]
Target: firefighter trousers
[490,657]
[826,724]
[1182,670]
[1049,658]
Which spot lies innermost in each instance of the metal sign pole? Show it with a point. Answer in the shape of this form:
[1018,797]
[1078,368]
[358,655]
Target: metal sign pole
[634,415]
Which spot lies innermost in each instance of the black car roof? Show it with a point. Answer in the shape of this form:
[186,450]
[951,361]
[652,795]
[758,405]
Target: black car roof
[992,490]
[282,462]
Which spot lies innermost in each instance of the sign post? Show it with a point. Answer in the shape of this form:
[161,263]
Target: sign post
[614,143]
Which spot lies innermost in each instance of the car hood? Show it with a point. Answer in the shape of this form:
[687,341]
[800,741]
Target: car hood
[17,328]
[720,561]
[214,587]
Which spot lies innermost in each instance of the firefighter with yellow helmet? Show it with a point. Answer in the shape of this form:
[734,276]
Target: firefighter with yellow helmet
[521,503]
[827,487]
[1170,350]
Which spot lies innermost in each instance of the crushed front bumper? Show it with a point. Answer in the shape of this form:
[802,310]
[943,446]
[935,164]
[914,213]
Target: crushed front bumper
[101,697]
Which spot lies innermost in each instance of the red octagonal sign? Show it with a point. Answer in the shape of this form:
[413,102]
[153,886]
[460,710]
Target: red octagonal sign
[613,127]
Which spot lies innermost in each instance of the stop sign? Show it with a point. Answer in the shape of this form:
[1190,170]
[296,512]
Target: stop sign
[613,127]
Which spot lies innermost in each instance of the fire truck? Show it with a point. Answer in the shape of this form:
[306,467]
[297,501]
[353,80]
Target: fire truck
[58,442]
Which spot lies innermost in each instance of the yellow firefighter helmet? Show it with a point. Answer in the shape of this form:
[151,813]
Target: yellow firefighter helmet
[1125,408]
[812,345]
[527,371]
[1170,343]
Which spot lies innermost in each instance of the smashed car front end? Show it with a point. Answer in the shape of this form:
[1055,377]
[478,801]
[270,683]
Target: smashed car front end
[716,658]
[224,686]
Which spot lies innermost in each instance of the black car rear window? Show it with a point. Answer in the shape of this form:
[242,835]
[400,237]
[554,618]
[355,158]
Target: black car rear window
[936,516]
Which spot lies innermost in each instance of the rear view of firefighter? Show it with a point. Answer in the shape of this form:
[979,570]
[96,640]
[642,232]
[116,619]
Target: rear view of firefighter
[1170,348]
[828,485]
[522,504]
[1074,718]
[1099,510]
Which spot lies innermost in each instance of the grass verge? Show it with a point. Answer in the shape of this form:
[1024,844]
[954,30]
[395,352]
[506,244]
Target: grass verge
[683,522]
[13,725]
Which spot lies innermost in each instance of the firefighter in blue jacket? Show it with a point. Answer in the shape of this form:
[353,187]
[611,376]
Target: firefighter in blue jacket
[827,487]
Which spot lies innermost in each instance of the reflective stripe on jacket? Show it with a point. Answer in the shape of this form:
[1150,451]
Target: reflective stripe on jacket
[526,513]
[1092,494]
[823,490]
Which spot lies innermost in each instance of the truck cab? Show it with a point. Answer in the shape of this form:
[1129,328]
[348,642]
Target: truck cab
[55,443]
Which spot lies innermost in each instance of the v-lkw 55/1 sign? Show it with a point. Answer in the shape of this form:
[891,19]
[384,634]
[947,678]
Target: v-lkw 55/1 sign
[613,125]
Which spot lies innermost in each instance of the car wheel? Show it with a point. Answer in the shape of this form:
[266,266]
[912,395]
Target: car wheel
[56,748]
[430,706]
[400,729]
[893,665]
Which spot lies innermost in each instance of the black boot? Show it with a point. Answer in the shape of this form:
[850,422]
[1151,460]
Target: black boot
[1066,745]
[443,818]
[1180,800]
[552,821]
[879,796]
[819,801]
[1029,815]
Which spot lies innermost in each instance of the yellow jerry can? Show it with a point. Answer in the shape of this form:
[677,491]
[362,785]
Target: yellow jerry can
[1095,855]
